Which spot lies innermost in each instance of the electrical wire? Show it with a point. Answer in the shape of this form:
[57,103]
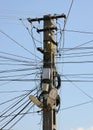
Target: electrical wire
[15,115]
[19,44]
[31,32]
[68,14]
[24,113]
[20,118]
[75,62]
[18,70]
[17,97]
[16,91]
[77,105]
[79,88]
[21,80]
[76,47]
[77,31]
[17,60]
[14,109]
[85,81]
[79,53]
[16,104]
[8,76]
[13,105]
[10,54]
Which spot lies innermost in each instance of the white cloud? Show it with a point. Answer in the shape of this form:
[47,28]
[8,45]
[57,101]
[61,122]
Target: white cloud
[82,128]
[91,128]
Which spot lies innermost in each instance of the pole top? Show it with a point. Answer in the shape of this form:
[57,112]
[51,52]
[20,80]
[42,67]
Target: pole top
[46,17]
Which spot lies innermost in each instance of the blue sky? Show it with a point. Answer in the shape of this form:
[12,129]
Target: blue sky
[17,51]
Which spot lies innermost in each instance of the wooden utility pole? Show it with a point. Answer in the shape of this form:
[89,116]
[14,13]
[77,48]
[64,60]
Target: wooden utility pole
[49,115]
[49,97]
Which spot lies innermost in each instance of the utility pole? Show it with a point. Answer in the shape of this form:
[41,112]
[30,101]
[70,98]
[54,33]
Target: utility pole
[49,98]
[49,115]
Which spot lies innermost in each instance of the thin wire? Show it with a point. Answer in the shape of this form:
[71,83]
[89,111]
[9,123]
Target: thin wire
[20,118]
[8,76]
[24,113]
[85,81]
[19,113]
[75,62]
[31,34]
[68,14]
[77,31]
[79,88]
[15,115]
[79,74]
[14,104]
[33,80]
[16,91]
[78,55]
[5,53]
[15,109]
[76,47]
[79,48]
[17,60]
[21,80]
[12,99]
[19,44]
[19,69]
[77,105]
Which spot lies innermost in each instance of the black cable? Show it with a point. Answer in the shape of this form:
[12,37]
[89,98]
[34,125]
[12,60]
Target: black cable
[20,80]
[16,115]
[15,109]
[16,104]
[12,99]
[76,47]
[85,81]
[19,44]
[19,113]
[76,31]
[75,62]
[24,113]
[19,100]
[20,118]
[79,88]
[5,53]
[77,105]
[13,105]
[19,69]
[9,110]
[17,60]
[78,74]
[78,55]
[15,91]
[31,33]
[8,76]
[68,13]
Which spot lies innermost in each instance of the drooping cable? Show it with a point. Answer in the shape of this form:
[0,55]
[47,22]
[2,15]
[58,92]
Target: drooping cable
[15,115]
[77,105]
[79,88]
[19,44]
